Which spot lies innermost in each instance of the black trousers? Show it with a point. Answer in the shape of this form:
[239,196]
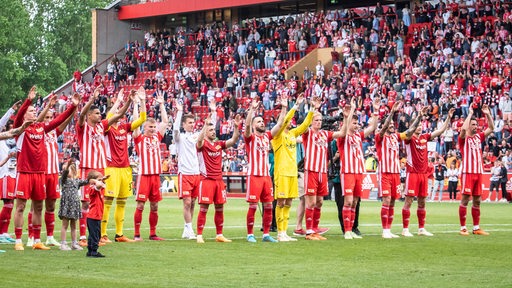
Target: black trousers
[452,189]
[340,201]
[503,190]
[94,228]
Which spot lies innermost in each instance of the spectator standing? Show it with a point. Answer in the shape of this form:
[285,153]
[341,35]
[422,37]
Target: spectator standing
[439,177]
[453,180]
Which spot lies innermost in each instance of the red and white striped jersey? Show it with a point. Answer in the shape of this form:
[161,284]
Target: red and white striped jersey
[315,146]
[148,149]
[471,150]
[92,145]
[388,151]
[210,159]
[351,153]
[257,148]
[417,154]
[52,150]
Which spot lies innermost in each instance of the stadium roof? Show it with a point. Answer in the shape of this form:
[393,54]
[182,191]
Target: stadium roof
[168,7]
[176,6]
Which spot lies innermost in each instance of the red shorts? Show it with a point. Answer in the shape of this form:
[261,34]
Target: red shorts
[8,187]
[259,188]
[471,184]
[148,188]
[315,183]
[389,184]
[212,191]
[30,186]
[352,184]
[188,186]
[416,185]
[86,189]
[52,186]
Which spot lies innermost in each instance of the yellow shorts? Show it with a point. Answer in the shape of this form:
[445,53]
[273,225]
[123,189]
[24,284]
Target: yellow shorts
[286,187]
[120,182]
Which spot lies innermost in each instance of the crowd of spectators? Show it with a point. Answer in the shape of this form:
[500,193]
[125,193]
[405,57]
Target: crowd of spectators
[451,54]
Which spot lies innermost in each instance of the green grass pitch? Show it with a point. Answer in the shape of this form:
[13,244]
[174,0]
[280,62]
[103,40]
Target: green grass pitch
[445,260]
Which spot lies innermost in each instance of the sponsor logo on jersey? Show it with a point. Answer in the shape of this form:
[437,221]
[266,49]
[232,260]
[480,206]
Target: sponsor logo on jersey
[36,136]
[214,154]
[368,183]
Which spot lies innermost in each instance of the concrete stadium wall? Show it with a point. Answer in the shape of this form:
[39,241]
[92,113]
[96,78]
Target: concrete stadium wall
[109,35]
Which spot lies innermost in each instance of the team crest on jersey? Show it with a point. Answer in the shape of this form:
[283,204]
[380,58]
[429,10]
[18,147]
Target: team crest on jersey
[423,141]
[218,147]
[122,131]
[392,144]
[39,130]
[152,144]
[321,141]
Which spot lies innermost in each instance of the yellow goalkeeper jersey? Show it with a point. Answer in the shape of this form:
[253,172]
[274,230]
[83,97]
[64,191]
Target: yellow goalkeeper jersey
[284,145]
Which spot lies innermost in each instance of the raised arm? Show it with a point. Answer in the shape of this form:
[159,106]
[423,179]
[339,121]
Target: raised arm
[202,134]
[279,127]
[250,114]
[490,121]
[142,116]
[162,126]
[301,129]
[445,126]
[51,102]
[375,118]
[390,117]
[15,132]
[8,114]
[347,117]
[116,105]
[236,134]
[63,125]
[177,122]
[465,125]
[61,118]
[83,113]
[213,112]
[123,110]
[409,132]
[18,121]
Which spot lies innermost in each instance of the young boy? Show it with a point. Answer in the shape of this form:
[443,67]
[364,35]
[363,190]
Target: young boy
[97,181]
